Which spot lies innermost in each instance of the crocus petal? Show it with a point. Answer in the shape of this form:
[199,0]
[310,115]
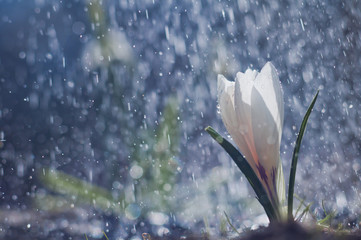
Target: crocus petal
[267,120]
[280,183]
[226,100]
[242,98]
[226,103]
[268,85]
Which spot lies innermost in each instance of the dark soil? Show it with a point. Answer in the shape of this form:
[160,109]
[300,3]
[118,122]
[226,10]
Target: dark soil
[295,231]
[284,231]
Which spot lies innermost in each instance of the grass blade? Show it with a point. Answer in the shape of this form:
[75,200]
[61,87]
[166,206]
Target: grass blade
[299,207]
[307,209]
[328,218]
[247,170]
[105,235]
[230,224]
[291,185]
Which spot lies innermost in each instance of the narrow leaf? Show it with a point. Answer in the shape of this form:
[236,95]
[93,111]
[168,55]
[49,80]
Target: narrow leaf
[85,192]
[307,209]
[230,224]
[295,157]
[105,235]
[299,207]
[247,170]
[326,219]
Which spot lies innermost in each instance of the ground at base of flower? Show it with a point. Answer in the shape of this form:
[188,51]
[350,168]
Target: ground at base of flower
[296,231]
[277,231]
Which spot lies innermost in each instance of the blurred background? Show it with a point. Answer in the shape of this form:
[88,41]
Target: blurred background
[103,106]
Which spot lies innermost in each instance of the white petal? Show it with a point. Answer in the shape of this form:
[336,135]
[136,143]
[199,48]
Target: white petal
[269,86]
[244,139]
[246,81]
[280,183]
[267,120]
[226,103]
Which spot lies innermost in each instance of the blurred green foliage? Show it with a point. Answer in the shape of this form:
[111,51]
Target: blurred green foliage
[74,192]
[152,150]
[152,190]
[159,160]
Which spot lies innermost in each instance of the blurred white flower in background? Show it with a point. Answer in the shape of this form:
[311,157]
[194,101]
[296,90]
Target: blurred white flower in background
[114,46]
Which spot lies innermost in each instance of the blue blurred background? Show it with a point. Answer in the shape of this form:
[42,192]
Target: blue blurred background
[103,106]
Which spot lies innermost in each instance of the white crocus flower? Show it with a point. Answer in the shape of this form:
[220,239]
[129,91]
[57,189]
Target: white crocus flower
[252,111]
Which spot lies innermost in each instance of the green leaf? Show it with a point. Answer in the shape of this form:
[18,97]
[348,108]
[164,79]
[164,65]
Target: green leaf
[328,216]
[247,170]
[84,192]
[326,219]
[105,235]
[299,207]
[307,209]
[230,224]
[295,157]
[159,159]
